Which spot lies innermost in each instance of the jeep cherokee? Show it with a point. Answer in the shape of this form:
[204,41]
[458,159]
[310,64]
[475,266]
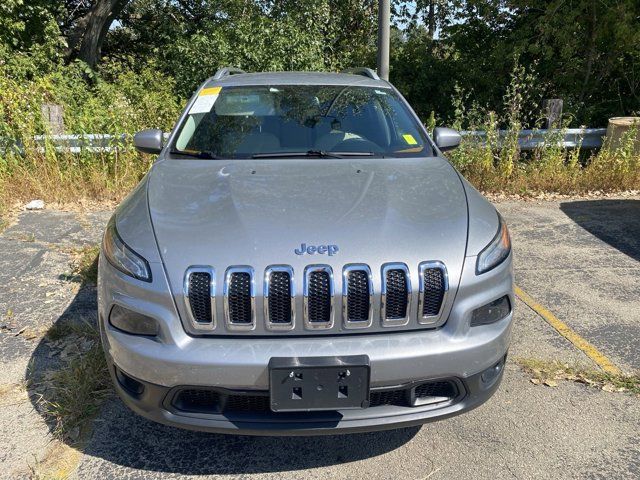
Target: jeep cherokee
[301,259]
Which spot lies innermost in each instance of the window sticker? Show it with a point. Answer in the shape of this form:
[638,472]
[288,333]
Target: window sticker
[205,101]
[409,139]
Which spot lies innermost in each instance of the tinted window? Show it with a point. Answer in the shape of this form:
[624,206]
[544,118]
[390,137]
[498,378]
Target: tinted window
[239,122]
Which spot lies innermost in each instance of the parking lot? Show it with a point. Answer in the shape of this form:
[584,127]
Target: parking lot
[577,258]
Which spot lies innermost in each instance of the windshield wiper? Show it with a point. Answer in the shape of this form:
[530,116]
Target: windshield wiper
[312,153]
[201,154]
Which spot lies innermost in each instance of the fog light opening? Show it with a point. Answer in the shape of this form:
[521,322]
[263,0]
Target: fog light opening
[132,322]
[131,385]
[491,374]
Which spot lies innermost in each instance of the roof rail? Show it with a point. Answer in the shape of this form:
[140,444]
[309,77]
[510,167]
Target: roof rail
[226,71]
[367,72]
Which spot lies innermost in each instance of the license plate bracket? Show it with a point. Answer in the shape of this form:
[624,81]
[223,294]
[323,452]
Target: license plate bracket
[319,383]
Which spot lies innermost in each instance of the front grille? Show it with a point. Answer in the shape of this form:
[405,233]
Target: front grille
[397,294]
[358,294]
[389,296]
[200,296]
[212,401]
[319,297]
[278,300]
[433,287]
[239,297]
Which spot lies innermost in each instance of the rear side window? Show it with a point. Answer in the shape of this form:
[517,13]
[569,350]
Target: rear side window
[239,122]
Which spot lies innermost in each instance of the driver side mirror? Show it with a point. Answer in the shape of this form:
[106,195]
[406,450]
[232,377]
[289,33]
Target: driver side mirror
[446,138]
[148,141]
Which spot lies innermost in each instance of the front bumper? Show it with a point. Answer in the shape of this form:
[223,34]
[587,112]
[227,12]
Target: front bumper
[174,358]
[154,403]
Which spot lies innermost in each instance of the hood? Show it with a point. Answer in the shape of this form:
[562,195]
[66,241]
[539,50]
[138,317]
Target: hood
[258,212]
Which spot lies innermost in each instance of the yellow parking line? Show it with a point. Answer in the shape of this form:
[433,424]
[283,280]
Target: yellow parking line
[567,332]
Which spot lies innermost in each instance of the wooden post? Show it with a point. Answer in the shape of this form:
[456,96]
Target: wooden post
[53,118]
[552,108]
[619,128]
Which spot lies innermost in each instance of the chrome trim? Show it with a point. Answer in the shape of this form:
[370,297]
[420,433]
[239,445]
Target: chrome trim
[395,322]
[431,319]
[252,291]
[307,271]
[212,293]
[346,270]
[292,293]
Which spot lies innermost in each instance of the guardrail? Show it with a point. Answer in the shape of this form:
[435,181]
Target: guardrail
[588,138]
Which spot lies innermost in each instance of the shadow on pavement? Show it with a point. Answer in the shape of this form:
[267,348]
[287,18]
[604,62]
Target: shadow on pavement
[127,440]
[616,222]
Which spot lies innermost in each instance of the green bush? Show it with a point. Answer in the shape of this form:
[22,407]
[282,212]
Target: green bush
[115,101]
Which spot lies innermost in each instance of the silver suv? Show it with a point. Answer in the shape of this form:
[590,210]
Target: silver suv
[301,259]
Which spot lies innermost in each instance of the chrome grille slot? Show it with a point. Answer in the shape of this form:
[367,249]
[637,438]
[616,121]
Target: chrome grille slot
[200,296]
[318,296]
[239,298]
[357,296]
[396,294]
[279,297]
[434,284]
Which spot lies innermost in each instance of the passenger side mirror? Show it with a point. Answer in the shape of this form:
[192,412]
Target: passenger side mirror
[446,138]
[148,141]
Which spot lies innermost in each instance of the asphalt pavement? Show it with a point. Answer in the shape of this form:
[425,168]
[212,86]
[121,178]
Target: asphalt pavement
[578,258]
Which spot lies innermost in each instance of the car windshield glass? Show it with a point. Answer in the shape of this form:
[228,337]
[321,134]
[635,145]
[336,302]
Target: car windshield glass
[316,121]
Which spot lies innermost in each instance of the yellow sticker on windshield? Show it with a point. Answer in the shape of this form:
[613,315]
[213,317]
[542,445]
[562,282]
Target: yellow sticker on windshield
[409,139]
[206,98]
[210,91]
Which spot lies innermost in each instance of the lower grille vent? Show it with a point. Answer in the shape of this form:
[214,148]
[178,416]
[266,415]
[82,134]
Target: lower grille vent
[436,389]
[211,401]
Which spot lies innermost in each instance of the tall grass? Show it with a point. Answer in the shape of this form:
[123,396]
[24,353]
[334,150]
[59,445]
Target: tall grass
[495,163]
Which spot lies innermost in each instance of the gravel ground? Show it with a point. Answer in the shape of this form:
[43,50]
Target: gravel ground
[578,258]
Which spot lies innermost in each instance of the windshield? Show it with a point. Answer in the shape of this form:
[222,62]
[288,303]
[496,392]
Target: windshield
[250,121]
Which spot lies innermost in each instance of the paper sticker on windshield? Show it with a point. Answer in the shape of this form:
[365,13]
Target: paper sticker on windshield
[409,139]
[205,101]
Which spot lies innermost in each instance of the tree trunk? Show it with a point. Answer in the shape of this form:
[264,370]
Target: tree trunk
[591,54]
[432,18]
[98,23]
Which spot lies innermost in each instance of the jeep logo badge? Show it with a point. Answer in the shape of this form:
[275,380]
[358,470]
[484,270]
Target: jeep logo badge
[331,250]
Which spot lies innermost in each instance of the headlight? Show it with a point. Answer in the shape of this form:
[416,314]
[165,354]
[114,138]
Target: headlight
[122,257]
[497,251]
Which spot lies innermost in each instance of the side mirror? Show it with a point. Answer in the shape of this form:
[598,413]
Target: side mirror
[148,141]
[446,138]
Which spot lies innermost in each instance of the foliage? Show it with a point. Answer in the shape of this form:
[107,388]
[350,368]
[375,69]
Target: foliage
[191,39]
[472,64]
[116,101]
